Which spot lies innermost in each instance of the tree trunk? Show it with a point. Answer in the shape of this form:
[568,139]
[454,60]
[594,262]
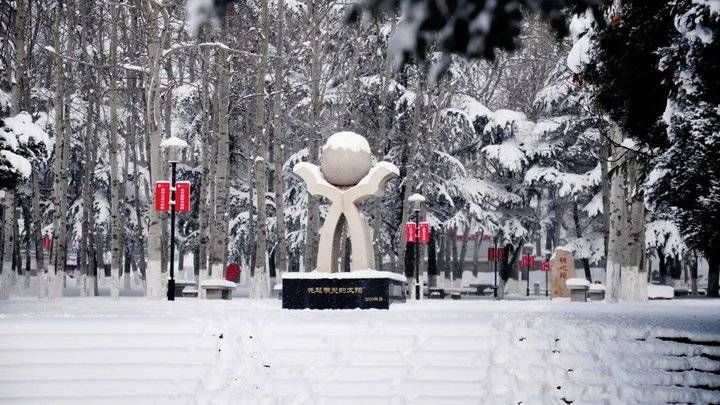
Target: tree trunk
[713,273]
[279,148]
[115,224]
[220,228]
[626,278]
[313,143]
[261,279]
[60,175]
[578,233]
[155,282]
[411,167]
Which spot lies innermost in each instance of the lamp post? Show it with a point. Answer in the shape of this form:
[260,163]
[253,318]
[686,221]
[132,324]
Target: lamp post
[173,145]
[417,200]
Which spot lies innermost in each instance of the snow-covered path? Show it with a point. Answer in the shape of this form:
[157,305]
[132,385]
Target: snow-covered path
[470,352]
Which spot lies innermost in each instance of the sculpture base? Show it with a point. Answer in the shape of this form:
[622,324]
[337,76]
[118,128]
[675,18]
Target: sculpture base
[363,289]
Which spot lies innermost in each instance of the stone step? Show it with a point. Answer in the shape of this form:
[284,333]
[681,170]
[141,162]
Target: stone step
[89,388]
[62,372]
[107,356]
[23,341]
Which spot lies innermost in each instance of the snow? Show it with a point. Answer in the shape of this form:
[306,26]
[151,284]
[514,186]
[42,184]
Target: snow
[18,163]
[569,183]
[472,108]
[314,275]
[431,351]
[25,130]
[595,287]
[595,206]
[217,282]
[503,117]
[580,31]
[666,235]
[416,198]
[507,154]
[348,141]
[660,291]
[577,282]
[173,141]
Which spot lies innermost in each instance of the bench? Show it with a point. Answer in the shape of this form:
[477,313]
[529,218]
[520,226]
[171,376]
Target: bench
[578,289]
[180,287]
[596,292]
[436,293]
[189,291]
[216,289]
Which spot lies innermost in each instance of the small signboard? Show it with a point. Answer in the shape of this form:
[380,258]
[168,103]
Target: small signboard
[424,232]
[545,265]
[47,242]
[182,196]
[495,254]
[528,261]
[162,196]
[410,232]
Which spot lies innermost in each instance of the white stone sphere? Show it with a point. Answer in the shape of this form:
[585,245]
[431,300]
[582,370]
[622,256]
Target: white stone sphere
[346,158]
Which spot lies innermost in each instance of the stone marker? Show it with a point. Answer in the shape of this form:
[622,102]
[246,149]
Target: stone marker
[562,267]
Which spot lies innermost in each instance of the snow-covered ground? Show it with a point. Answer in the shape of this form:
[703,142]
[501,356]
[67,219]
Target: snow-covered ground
[136,351]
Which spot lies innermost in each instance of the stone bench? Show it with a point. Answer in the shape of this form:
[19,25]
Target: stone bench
[216,289]
[189,291]
[180,286]
[578,289]
[436,293]
[596,292]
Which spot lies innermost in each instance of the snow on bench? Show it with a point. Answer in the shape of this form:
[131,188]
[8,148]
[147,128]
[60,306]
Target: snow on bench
[578,289]
[216,288]
[660,292]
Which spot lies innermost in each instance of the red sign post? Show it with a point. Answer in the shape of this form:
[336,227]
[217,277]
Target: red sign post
[424,232]
[47,242]
[162,196]
[545,265]
[182,196]
[410,232]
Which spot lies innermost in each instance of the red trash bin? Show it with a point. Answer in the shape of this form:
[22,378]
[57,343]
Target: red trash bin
[233,272]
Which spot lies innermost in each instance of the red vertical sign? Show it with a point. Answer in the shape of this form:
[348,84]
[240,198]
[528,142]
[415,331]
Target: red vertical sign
[424,232]
[527,261]
[491,254]
[545,265]
[410,232]
[182,196]
[162,195]
[47,242]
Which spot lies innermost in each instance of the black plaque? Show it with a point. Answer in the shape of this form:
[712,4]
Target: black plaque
[341,293]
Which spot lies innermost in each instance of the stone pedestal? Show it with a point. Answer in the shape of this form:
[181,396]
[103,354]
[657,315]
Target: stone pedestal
[359,289]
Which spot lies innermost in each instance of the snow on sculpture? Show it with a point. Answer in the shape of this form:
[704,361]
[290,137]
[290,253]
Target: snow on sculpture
[346,177]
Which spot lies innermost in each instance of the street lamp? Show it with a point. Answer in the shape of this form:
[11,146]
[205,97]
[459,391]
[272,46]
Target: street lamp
[174,146]
[417,200]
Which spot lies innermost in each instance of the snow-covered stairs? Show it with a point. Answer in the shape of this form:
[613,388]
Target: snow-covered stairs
[337,358]
[103,360]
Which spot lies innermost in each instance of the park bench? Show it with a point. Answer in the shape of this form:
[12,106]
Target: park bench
[216,289]
[180,287]
[596,292]
[189,291]
[436,293]
[578,289]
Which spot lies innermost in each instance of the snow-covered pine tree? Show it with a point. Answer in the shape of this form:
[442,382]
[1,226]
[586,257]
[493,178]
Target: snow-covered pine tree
[687,176]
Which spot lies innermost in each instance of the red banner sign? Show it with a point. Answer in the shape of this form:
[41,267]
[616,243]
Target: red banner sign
[424,232]
[545,265]
[496,254]
[47,242]
[528,261]
[162,196]
[410,232]
[182,196]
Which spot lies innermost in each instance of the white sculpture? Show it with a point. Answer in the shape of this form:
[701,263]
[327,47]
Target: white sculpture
[346,177]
